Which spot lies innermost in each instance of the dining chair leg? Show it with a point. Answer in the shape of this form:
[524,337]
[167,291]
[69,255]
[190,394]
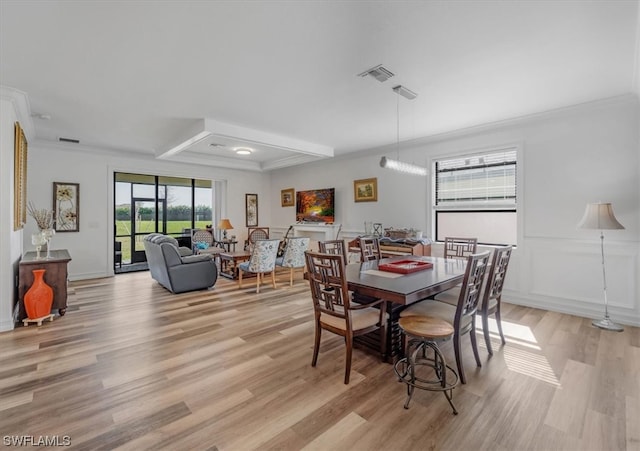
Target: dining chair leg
[347,371]
[316,344]
[457,352]
[273,278]
[239,278]
[383,332]
[485,330]
[499,323]
[474,344]
[290,277]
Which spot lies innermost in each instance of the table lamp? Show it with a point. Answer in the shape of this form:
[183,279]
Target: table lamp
[600,216]
[224,225]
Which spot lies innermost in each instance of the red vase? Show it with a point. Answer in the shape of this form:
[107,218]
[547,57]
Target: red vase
[39,298]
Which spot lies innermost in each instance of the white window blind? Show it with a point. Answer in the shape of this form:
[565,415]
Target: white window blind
[475,196]
[477,181]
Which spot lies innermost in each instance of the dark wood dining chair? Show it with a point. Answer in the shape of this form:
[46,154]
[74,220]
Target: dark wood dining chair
[369,249]
[492,295]
[333,309]
[335,247]
[460,247]
[461,316]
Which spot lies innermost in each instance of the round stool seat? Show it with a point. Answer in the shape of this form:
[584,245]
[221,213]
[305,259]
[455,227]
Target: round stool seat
[426,327]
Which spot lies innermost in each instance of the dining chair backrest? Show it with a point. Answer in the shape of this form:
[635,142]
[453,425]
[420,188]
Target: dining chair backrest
[257,233]
[460,247]
[369,249]
[495,280]
[329,292]
[470,291]
[336,247]
[263,256]
[294,252]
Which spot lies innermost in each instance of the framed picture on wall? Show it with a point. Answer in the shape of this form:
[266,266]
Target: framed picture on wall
[287,197]
[365,190]
[66,206]
[19,178]
[251,208]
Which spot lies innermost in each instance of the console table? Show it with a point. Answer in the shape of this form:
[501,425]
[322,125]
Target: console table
[55,276]
[397,247]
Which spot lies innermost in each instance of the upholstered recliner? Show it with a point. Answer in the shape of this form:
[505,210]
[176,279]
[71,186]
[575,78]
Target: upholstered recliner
[175,268]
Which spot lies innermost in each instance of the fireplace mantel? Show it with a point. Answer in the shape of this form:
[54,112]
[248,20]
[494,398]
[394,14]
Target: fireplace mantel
[317,232]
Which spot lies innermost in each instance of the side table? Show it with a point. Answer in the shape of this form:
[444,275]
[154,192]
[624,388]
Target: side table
[229,263]
[55,276]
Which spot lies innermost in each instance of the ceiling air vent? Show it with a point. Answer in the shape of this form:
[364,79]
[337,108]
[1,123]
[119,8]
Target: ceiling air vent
[378,72]
[69,140]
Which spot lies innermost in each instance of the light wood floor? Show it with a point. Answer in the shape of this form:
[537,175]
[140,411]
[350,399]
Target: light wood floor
[132,366]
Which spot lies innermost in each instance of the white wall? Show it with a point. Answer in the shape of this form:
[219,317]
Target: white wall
[91,248]
[582,154]
[13,107]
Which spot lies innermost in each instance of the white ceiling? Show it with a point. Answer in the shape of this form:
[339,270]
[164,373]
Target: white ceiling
[281,77]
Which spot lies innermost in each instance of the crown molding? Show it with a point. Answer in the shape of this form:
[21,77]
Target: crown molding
[20,102]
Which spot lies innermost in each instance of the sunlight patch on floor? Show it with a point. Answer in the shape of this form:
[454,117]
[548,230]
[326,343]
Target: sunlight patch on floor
[520,360]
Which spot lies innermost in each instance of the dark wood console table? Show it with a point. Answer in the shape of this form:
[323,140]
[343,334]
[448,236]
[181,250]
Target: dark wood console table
[55,276]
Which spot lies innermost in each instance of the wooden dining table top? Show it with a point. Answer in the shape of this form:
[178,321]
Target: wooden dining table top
[367,279]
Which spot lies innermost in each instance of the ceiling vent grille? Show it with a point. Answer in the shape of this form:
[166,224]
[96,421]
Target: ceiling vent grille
[378,72]
[69,140]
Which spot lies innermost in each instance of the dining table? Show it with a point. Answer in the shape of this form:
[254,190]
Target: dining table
[368,281]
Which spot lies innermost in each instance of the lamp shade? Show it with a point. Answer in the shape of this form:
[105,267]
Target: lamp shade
[599,216]
[224,224]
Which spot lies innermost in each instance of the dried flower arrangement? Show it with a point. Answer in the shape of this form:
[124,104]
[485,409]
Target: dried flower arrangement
[42,216]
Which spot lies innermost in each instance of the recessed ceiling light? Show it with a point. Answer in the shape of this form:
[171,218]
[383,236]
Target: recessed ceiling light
[243,150]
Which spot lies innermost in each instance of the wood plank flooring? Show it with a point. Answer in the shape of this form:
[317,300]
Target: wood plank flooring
[132,366]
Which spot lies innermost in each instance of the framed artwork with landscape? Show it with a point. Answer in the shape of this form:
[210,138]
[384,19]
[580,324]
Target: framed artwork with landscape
[19,178]
[287,197]
[66,206]
[251,209]
[365,190]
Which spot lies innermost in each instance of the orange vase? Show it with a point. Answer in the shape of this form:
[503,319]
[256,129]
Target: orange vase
[39,298]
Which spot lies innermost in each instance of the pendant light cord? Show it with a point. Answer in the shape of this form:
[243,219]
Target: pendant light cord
[398,127]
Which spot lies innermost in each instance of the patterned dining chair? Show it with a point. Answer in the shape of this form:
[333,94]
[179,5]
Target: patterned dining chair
[254,234]
[294,255]
[333,309]
[262,261]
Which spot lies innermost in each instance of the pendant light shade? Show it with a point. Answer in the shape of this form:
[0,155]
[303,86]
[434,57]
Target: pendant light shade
[401,166]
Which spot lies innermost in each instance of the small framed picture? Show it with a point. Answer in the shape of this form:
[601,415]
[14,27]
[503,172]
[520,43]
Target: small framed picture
[365,190]
[66,206]
[251,208]
[287,197]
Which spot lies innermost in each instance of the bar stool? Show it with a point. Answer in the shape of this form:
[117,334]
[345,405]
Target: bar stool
[425,332]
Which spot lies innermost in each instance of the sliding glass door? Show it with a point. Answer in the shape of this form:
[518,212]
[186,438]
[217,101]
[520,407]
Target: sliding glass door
[146,203]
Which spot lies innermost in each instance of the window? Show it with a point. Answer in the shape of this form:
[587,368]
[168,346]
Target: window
[149,203]
[475,196]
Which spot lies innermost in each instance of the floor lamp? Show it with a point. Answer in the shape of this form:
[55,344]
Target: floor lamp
[600,217]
